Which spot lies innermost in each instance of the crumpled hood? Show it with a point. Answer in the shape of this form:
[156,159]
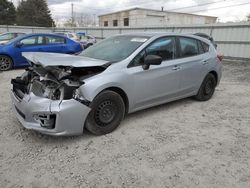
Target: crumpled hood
[56,59]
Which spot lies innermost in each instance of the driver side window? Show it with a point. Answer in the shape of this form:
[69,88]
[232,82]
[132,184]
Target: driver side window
[34,40]
[29,41]
[164,47]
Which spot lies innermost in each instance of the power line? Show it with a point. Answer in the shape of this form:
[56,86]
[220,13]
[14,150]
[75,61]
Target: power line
[72,14]
[194,6]
[220,7]
[199,5]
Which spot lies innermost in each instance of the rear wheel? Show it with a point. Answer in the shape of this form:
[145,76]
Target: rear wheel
[88,45]
[207,88]
[5,63]
[107,111]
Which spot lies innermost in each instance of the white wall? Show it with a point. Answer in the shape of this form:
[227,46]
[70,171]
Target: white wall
[149,18]
[233,39]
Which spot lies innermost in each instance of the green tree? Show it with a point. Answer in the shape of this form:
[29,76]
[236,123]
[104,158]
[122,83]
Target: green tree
[34,13]
[7,13]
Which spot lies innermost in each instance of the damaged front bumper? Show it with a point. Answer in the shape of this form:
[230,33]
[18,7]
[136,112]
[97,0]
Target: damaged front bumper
[51,117]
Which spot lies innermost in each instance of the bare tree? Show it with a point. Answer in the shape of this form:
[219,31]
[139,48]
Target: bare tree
[84,20]
[248,17]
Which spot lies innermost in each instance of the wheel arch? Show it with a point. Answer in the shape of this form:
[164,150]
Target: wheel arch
[122,93]
[215,75]
[5,54]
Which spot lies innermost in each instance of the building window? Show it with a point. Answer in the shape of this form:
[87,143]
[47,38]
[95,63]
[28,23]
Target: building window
[115,22]
[126,22]
[106,23]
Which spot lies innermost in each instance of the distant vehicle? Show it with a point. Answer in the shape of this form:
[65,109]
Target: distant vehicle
[64,95]
[86,40]
[6,37]
[206,36]
[11,52]
[70,35]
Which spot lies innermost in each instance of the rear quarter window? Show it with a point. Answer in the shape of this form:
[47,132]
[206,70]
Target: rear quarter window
[54,40]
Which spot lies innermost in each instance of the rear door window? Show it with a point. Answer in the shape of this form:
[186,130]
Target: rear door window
[40,40]
[188,46]
[54,40]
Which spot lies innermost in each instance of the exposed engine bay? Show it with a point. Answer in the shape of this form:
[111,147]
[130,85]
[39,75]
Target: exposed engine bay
[53,82]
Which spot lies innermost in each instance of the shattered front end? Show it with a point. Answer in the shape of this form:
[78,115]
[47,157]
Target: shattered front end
[47,99]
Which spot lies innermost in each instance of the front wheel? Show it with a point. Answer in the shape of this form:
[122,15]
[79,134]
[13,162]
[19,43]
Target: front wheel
[107,112]
[5,63]
[207,88]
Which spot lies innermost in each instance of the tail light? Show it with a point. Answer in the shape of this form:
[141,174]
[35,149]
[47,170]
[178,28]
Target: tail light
[220,57]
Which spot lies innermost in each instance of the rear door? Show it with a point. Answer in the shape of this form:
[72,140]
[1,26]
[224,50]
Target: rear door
[192,63]
[55,44]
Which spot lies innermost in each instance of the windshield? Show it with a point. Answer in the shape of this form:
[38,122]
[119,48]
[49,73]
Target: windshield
[115,48]
[14,40]
[7,36]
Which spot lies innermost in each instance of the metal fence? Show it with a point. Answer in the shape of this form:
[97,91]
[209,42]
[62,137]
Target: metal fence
[233,39]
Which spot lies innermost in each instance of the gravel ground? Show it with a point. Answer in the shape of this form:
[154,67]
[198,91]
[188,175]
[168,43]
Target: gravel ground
[180,144]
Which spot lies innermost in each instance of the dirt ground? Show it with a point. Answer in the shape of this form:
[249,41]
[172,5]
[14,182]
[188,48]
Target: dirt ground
[180,144]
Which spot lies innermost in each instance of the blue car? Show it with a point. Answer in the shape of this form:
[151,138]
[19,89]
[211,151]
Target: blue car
[11,52]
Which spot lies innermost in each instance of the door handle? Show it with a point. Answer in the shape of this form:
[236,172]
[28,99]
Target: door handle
[176,67]
[205,62]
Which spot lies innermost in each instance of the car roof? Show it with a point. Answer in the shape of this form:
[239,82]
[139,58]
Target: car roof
[12,32]
[36,34]
[43,34]
[156,34]
[162,34]
[64,32]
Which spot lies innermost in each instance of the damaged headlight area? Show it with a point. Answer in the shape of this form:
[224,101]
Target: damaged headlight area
[52,89]
[46,120]
[55,83]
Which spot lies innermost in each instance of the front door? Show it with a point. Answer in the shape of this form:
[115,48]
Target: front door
[29,44]
[159,83]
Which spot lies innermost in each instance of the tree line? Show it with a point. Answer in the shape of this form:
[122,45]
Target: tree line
[27,13]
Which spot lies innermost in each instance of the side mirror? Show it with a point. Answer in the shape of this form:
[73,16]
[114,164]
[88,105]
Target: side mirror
[151,60]
[19,44]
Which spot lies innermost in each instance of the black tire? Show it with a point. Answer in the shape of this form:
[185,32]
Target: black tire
[88,45]
[207,88]
[107,112]
[6,63]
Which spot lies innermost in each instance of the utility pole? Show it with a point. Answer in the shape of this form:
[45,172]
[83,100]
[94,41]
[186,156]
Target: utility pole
[72,14]
[94,19]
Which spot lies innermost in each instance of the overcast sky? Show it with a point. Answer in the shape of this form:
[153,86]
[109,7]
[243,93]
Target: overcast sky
[61,9]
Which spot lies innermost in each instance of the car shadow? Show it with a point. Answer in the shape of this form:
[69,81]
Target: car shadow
[153,111]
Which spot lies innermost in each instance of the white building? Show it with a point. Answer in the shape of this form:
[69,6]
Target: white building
[140,17]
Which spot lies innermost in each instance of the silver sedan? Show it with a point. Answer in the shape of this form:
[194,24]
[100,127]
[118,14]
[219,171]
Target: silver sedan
[63,94]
